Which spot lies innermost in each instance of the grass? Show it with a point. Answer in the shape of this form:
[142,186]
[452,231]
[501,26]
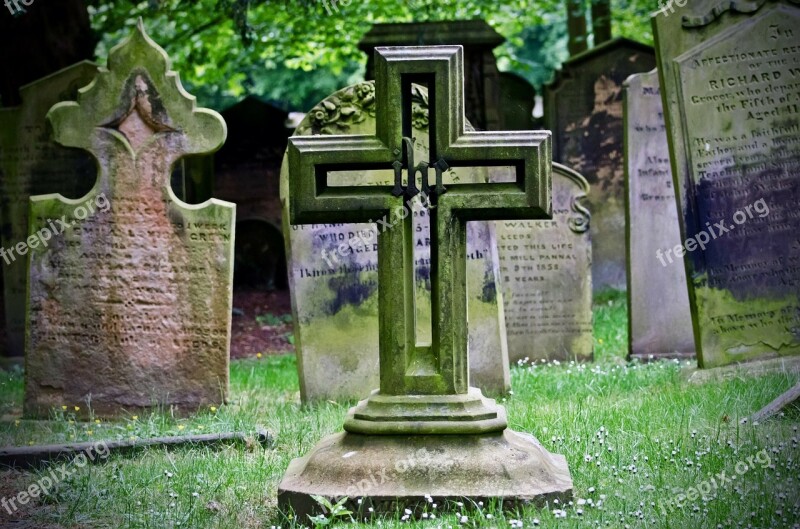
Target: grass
[636,436]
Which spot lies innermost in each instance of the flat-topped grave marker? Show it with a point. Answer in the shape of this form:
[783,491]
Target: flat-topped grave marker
[546,275]
[335,293]
[130,299]
[583,108]
[659,317]
[482,84]
[730,84]
[424,400]
[31,163]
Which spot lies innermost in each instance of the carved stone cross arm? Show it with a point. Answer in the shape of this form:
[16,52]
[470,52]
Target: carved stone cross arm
[440,368]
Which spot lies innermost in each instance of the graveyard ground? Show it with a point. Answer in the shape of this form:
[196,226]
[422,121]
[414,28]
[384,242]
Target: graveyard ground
[261,323]
[637,437]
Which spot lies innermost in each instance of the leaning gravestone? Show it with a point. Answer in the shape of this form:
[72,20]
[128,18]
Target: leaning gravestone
[583,108]
[130,289]
[31,163]
[730,78]
[546,277]
[659,318]
[424,408]
[335,291]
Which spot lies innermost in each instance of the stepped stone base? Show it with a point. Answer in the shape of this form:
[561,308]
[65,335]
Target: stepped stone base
[390,472]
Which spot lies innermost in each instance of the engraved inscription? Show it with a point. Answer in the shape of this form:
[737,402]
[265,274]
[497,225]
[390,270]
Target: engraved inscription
[742,126]
[545,272]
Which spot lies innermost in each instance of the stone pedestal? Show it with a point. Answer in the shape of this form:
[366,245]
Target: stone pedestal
[390,472]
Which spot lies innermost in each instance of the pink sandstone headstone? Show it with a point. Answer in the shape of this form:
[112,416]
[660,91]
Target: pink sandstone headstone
[130,298]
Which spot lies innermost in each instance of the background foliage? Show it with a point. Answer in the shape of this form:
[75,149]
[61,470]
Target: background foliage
[295,52]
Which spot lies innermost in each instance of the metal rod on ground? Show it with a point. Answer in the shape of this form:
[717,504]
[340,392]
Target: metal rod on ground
[785,400]
[32,456]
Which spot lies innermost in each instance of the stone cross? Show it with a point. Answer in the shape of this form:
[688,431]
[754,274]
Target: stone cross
[424,387]
[424,396]
[333,268]
[130,297]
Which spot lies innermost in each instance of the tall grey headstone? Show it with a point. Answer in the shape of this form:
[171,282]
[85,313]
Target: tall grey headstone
[659,318]
[333,273]
[730,80]
[546,277]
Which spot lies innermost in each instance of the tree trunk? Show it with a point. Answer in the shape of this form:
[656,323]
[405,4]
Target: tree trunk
[601,21]
[576,26]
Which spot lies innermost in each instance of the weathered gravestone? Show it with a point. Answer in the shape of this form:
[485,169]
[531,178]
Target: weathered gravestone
[424,404]
[546,277]
[659,318]
[247,168]
[583,108]
[130,299]
[482,83]
[335,291]
[730,79]
[247,173]
[31,163]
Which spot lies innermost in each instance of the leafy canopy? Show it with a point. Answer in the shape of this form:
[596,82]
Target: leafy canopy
[296,52]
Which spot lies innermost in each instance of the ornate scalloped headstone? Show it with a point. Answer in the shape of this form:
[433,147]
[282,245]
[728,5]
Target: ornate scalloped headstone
[130,300]
[730,83]
[546,277]
[660,322]
[583,108]
[335,292]
[31,163]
